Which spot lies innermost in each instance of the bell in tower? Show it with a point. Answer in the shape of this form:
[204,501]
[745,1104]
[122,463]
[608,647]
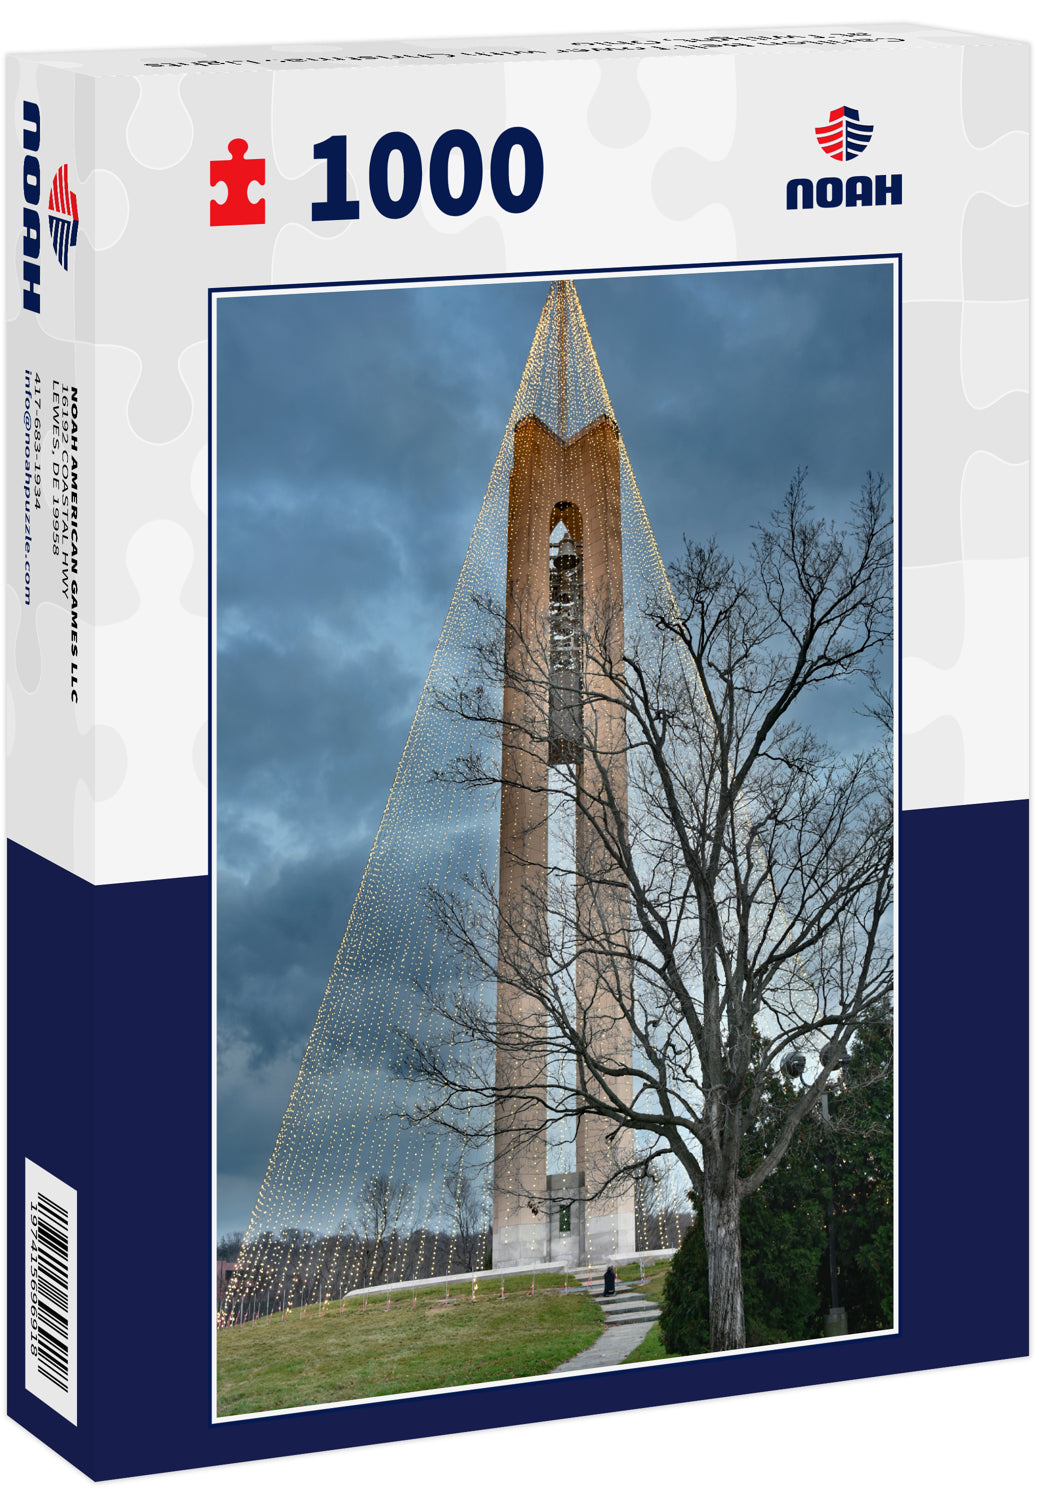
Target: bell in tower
[565,641]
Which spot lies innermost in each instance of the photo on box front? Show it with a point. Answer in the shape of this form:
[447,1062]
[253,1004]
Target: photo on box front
[553,824]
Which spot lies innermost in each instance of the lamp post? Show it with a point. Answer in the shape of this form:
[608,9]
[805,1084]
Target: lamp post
[836,1323]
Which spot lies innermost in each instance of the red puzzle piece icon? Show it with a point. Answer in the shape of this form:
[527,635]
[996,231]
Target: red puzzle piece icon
[237,173]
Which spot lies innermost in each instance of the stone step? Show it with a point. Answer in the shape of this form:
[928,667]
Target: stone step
[648,1314]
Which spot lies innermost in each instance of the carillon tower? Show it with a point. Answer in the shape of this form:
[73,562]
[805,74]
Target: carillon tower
[563,537]
[564,591]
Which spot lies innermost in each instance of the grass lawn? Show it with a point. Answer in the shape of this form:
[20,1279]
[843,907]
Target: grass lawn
[345,1355]
[652,1347]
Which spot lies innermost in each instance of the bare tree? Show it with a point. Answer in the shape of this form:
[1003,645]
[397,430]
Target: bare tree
[662,1215]
[380,1210]
[721,891]
[471,1232]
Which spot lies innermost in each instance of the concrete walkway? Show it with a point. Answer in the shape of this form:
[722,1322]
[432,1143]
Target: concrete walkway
[629,1316]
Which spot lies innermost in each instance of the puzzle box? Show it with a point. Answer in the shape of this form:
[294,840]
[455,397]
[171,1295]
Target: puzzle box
[641,335]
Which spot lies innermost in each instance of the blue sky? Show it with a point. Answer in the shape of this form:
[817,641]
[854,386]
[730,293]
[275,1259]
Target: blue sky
[356,432]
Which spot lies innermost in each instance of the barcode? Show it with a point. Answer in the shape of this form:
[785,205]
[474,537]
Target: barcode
[50,1290]
[52,1286]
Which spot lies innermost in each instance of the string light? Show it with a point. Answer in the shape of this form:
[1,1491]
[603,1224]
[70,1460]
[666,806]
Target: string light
[345,1123]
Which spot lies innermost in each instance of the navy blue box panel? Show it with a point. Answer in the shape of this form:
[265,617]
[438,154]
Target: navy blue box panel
[51,1081]
[109,1036]
[964,1036]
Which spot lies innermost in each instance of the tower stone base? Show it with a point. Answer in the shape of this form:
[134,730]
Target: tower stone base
[567,1229]
[610,1238]
[519,1245]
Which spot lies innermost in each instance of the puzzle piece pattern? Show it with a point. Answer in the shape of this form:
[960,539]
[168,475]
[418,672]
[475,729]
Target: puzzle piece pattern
[162,735]
[965,484]
[64,766]
[150,443]
[82,770]
[619,111]
[159,132]
[656,186]
[965,346]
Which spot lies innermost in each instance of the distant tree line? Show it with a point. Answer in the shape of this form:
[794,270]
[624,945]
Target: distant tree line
[296,1266]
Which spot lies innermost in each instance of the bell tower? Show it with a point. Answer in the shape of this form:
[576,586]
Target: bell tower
[564,589]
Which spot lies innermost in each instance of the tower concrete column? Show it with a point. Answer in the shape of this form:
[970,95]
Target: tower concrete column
[552,717]
[603,980]
[519,1222]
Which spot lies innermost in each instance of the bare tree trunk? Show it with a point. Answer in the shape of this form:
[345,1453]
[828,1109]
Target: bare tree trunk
[720,1204]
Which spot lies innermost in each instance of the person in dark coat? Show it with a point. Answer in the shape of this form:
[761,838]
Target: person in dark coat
[609,1281]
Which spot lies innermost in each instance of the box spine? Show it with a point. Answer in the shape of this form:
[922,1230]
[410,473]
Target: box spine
[50,401]
[51,1079]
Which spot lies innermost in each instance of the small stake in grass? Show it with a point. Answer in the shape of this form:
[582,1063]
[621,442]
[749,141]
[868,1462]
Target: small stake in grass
[387,1307]
[503,1291]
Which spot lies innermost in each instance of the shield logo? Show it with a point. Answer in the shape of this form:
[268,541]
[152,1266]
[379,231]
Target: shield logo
[844,136]
[63,216]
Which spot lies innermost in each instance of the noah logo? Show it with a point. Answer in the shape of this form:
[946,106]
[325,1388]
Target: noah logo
[62,215]
[30,206]
[843,136]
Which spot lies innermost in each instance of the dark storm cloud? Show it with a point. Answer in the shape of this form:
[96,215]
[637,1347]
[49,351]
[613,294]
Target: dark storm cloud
[357,424]
[725,384]
[356,434]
